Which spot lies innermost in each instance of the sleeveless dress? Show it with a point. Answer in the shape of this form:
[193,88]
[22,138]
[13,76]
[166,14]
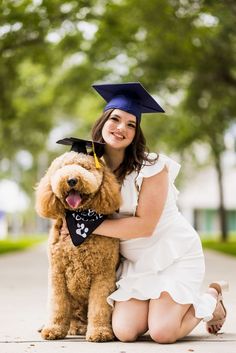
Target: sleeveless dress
[169,260]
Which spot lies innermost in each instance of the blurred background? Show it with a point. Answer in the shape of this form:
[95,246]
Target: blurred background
[182,51]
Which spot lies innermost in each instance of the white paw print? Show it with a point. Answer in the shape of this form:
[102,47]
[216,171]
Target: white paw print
[82,230]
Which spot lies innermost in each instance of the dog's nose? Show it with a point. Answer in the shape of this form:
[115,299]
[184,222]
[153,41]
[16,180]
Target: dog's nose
[72,182]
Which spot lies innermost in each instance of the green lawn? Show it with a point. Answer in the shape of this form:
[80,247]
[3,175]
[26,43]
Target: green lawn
[227,248]
[10,244]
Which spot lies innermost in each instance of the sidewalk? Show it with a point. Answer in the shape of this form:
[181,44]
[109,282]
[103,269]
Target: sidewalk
[23,296]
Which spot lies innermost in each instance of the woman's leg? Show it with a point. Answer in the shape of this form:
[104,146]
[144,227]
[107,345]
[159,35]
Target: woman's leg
[177,320]
[169,321]
[130,319]
[166,320]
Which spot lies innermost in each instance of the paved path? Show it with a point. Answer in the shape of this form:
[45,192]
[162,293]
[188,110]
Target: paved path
[23,293]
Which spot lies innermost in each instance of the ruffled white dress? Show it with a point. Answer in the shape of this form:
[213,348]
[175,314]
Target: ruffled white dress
[171,259]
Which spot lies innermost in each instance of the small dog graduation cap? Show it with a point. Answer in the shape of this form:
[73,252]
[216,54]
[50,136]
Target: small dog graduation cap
[131,97]
[92,148]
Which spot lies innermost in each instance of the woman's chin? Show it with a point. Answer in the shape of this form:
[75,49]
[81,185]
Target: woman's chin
[114,141]
[117,146]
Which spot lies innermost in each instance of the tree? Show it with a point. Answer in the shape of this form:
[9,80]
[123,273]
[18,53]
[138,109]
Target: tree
[51,52]
[37,38]
[175,46]
[37,82]
[212,89]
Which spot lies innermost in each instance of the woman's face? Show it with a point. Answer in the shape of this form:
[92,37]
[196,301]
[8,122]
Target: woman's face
[119,130]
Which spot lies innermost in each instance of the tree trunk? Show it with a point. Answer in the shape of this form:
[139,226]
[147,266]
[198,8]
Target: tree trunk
[221,210]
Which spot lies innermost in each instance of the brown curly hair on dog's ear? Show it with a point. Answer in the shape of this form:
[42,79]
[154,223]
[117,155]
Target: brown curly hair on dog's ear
[47,204]
[108,198]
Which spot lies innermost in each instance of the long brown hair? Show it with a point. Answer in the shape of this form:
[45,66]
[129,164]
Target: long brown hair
[136,154]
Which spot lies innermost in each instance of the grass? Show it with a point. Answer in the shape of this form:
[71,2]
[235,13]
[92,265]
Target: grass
[21,243]
[228,247]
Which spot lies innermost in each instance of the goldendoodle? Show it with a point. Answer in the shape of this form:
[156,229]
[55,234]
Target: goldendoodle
[80,277]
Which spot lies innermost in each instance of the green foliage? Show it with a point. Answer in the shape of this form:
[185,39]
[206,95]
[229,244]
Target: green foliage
[224,247]
[49,61]
[36,40]
[38,82]
[9,245]
[53,50]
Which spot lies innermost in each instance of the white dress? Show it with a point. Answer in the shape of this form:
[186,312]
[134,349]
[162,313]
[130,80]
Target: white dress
[171,259]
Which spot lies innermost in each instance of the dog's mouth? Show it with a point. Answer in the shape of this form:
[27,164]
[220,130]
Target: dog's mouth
[74,199]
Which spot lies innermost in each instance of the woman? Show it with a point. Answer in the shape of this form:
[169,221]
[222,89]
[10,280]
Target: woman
[163,268]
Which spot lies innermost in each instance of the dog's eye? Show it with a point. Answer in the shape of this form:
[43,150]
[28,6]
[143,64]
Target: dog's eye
[87,166]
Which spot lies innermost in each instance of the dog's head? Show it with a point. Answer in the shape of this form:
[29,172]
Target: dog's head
[73,182]
[76,180]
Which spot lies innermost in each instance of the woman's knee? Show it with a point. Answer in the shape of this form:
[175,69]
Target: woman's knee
[129,320]
[163,334]
[123,333]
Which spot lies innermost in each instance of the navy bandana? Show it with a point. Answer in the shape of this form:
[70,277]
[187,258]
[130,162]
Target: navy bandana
[82,223]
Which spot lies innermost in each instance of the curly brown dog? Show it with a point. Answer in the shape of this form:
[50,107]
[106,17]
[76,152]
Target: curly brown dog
[80,278]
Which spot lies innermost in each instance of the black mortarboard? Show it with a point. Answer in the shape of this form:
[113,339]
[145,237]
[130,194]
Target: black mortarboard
[131,97]
[92,148]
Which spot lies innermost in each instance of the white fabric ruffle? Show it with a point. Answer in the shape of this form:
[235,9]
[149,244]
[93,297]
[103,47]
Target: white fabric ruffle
[163,161]
[149,170]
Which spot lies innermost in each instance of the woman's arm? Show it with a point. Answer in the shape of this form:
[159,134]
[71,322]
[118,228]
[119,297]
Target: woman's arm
[152,198]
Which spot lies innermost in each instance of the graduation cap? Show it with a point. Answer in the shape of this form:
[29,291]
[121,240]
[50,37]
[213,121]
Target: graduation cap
[131,97]
[92,148]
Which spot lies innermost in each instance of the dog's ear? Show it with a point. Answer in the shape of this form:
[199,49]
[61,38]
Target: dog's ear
[108,198]
[47,204]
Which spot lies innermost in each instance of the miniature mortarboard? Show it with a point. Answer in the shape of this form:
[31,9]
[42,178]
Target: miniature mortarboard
[131,97]
[92,148]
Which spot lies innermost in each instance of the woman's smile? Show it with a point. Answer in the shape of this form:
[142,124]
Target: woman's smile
[118,136]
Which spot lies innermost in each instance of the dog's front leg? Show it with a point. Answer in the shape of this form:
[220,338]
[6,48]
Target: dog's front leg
[99,311]
[59,306]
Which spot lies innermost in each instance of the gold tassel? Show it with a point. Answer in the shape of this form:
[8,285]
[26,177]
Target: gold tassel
[97,164]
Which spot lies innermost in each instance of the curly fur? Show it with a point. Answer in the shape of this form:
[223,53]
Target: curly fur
[80,278]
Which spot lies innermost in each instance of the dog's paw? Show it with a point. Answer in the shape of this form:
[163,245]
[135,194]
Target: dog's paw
[53,332]
[99,334]
[78,330]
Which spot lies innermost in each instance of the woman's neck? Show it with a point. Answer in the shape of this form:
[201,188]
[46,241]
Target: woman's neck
[113,158]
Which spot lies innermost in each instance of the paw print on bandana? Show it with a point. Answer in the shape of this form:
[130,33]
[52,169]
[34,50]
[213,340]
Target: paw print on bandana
[82,230]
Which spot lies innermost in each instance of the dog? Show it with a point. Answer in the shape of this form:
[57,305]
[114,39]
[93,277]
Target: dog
[80,277]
